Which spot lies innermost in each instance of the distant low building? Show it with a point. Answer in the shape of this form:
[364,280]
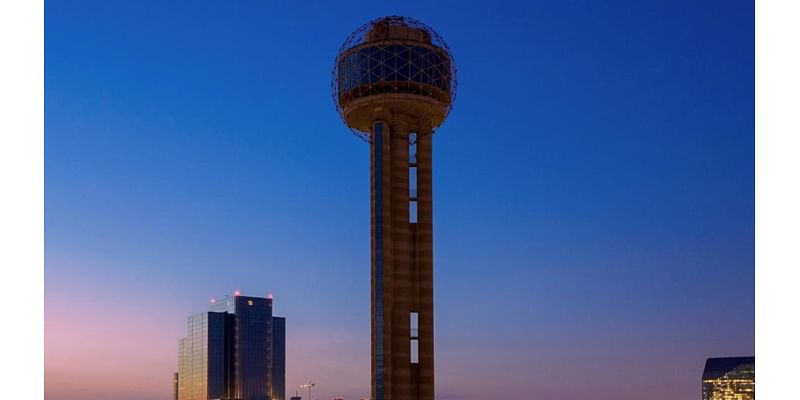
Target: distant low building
[234,351]
[730,378]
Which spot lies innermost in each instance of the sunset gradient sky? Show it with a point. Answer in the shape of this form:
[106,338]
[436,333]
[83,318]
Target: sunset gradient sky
[594,206]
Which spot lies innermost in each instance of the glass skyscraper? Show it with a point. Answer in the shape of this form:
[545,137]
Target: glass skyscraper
[730,378]
[236,351]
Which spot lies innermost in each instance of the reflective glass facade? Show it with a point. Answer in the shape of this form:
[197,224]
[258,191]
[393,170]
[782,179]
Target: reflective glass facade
[278,358]
[732,378]
[377,313]
[201,363]
[394,68]
[252,357]
[229,353]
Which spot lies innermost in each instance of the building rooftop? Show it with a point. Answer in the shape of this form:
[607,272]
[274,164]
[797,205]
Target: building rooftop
[717,367]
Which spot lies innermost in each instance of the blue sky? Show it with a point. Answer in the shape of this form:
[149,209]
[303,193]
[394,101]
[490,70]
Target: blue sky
[593,191]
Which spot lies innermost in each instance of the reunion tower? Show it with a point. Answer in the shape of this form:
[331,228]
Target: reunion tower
[394,83]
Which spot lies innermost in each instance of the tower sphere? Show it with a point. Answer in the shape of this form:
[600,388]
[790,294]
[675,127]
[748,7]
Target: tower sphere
[394,67]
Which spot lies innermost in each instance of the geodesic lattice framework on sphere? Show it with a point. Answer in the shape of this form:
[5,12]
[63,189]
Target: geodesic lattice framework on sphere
[396,62]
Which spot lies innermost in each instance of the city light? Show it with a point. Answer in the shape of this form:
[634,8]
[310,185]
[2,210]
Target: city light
[308,386]
[729,378]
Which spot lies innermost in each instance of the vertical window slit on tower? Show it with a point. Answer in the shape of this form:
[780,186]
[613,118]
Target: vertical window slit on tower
[414,334]
[412,178]
[412,182]
[412,149]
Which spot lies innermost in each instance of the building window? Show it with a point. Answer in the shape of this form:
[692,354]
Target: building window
[412,182]
[412,178]
[414,325]
[412,149]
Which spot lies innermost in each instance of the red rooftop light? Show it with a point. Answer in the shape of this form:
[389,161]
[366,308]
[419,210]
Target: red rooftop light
[269,296]
[236,293]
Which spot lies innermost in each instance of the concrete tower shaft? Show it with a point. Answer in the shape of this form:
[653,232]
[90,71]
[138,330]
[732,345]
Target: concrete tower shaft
[402,261]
